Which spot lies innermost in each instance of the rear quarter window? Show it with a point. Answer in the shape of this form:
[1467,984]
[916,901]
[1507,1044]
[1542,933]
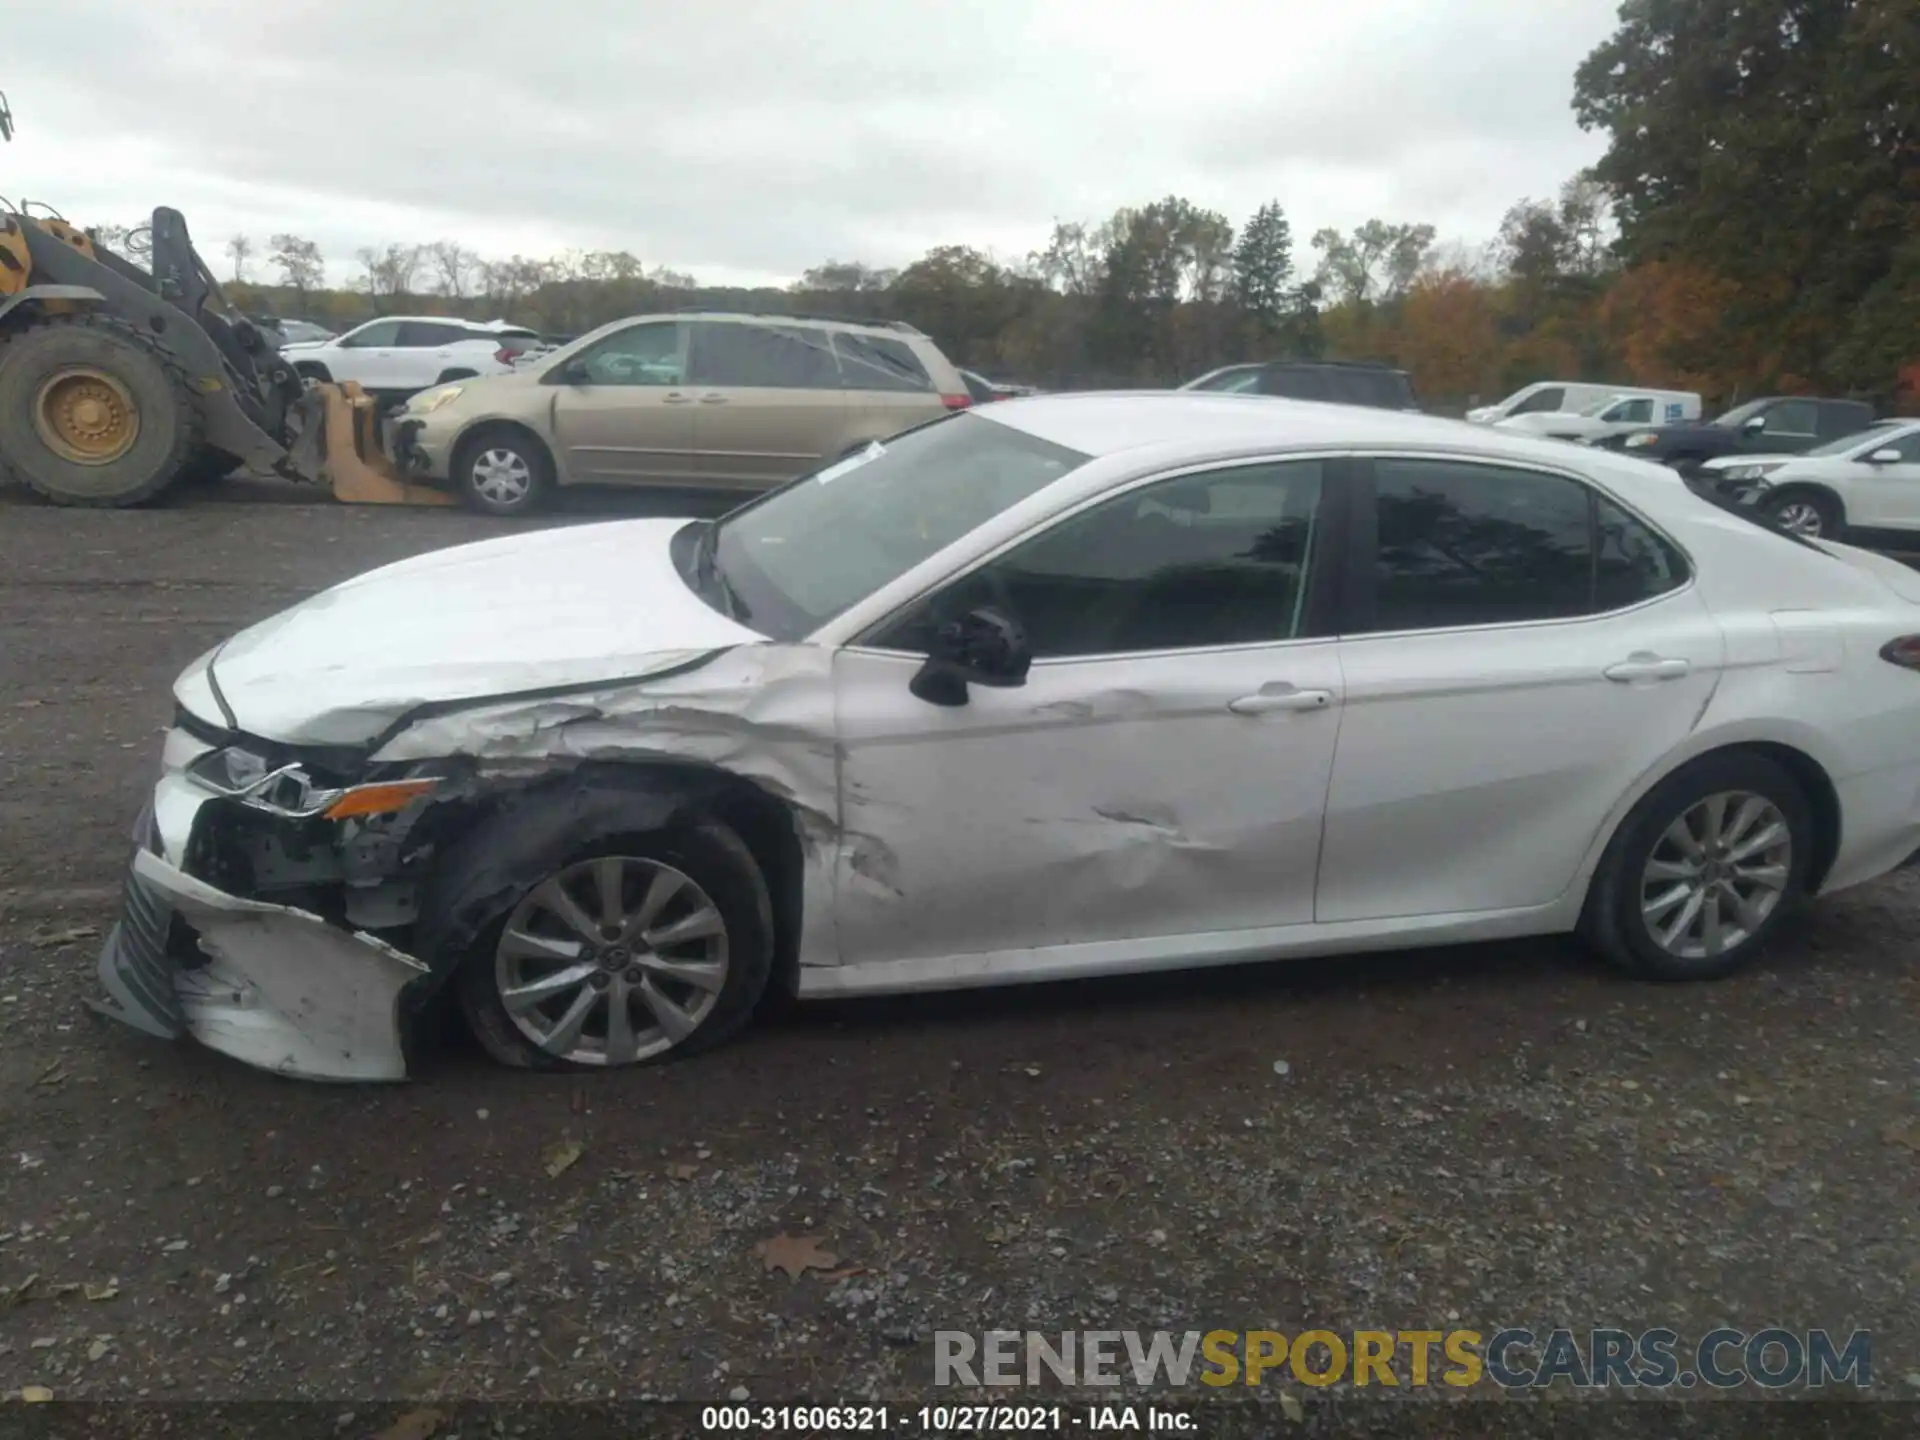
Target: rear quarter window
[874,362]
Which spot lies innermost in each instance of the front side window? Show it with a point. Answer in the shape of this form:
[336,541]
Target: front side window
[1906,446]
[380,333]
[763,357]
[1792,417]
[1551,399]
[647,354]
[809,550]
[1463,544]
[1219,558]
[1293,383]
[1632,412]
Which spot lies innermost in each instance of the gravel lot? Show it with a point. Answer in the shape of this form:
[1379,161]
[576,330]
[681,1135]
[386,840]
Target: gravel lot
[1479,1137]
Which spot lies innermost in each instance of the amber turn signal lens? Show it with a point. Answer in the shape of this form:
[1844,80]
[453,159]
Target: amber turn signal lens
[364,800]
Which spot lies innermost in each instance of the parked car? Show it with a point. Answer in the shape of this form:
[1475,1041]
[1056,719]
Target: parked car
[1863,487]
[398,356]
[1342,382]
[1574,397]
[706,399]
[1077,686]
[1615,415]
[1778,424]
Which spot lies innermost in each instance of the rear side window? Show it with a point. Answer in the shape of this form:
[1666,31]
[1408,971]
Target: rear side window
[1295,384]
[763,357]
[1382,389]
[426,334]
[1792,417]
[1462,544]
[873,362]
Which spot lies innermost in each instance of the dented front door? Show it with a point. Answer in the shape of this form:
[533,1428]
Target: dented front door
[1111,798]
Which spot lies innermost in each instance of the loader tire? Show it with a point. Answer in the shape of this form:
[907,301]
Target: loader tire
[93,412]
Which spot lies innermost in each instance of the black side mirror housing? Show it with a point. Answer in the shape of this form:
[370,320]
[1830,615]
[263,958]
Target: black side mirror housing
[983,647]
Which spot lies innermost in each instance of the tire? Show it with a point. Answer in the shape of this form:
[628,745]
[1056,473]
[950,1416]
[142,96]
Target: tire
[714,870]
[502,471]
[115,372]
[1808,513]
[1616,922]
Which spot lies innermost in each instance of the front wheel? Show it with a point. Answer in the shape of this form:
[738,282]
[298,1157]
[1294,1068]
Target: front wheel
[1703,870]
[1805,513]
[642,948]
[503,472]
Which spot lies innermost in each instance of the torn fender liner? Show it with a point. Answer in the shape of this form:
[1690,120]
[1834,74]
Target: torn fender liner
[284,989]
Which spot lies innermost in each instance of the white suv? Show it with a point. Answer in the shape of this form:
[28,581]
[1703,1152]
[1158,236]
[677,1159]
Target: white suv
[1863,487]
[399,355]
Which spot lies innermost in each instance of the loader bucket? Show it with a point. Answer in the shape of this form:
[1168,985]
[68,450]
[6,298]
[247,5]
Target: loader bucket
[336,443]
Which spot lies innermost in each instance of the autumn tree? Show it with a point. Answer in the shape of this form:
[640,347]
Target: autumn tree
[302,269]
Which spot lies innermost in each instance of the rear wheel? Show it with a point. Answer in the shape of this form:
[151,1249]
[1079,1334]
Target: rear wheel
[92,412]
[1703,871]
[503,472]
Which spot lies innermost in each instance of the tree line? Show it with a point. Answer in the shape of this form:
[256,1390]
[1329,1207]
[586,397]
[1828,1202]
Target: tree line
[1753,227]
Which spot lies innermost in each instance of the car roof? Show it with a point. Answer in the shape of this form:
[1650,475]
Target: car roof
[1197,426]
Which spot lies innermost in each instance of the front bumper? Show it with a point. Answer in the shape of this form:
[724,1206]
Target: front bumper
[276,987]
[419,448]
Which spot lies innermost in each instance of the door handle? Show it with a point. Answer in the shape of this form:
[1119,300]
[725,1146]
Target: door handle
[1642,666]
[676,398]
[713,399]
[1280,696]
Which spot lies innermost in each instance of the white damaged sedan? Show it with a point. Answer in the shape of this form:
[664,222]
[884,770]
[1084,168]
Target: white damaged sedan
[1069,686]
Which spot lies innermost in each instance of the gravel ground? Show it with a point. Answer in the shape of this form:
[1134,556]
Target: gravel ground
[1474,1137]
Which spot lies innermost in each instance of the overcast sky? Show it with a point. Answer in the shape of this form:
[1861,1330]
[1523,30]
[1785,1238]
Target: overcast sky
[746,140]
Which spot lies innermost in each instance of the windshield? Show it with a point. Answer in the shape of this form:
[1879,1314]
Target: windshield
[799,556]
[1852,442]
[1740,414]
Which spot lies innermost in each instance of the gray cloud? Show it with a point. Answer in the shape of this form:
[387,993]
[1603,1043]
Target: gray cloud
[753,138]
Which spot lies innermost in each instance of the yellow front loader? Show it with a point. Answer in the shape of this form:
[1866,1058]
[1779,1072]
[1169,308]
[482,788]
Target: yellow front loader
[117,382]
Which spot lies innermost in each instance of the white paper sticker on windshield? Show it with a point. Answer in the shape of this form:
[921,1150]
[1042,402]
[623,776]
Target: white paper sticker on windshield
[853,462]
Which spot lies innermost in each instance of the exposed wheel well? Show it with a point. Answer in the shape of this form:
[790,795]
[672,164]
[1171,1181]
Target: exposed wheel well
[312,370]
[464,447]
[767,827]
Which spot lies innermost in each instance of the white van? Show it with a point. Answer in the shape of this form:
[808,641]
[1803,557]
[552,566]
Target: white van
[1575,397]
[1619,414]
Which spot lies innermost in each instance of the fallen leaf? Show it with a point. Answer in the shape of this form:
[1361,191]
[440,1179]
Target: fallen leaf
[1291,1407]
[560,1158]
[103,1292]
[683,1172]
[35,1394]
[53,1074]
[414,1425]
[795,1254]
[844,1272]
[63,1289]
[17,1294]
[1903,1132]
[98,1350]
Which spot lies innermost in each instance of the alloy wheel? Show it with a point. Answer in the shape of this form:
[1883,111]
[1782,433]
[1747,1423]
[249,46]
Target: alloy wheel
[1715,875]
[612,961]
[1801,517]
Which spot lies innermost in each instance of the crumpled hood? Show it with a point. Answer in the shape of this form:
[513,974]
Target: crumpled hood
[551,608]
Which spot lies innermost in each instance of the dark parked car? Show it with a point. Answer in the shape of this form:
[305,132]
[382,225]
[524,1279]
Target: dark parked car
[1776,425]
[1343,382]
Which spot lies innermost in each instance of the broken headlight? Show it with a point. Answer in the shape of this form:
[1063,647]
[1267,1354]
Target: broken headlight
[295,793]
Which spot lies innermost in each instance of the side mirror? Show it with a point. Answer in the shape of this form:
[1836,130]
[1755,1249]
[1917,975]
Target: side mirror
[1884,457]
[1755,425]
[982,647]
[574,372]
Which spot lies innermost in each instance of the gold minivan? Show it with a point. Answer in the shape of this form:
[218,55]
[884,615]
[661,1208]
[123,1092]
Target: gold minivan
[694,399]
